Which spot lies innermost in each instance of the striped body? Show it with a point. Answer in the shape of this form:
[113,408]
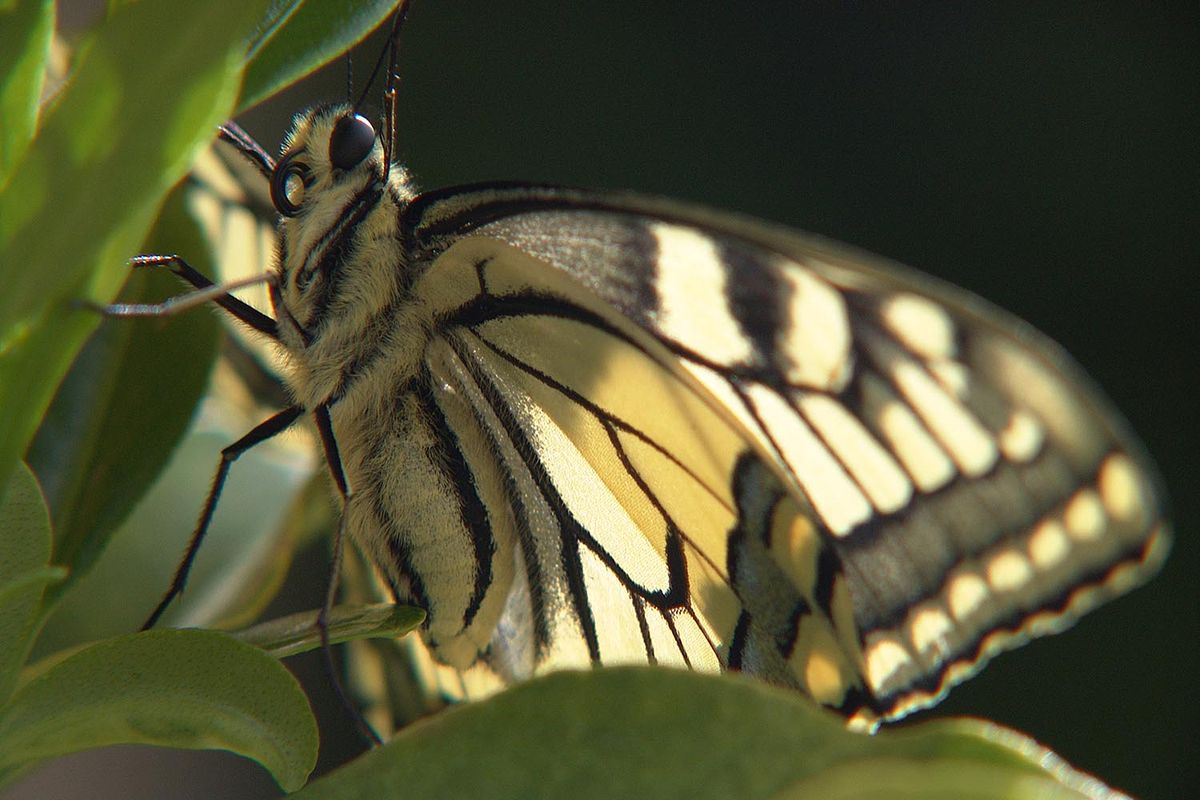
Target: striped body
[583,429]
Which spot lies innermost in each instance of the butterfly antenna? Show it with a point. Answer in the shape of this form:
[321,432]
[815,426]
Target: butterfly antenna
[249,149]
[393,80]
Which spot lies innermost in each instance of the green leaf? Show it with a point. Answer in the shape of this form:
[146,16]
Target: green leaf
[25,33]
[305,37]
[24,551]
[647,732]
[948,779]
[146,92]
[126,402]
[297,633]
[177,688]
[24,526]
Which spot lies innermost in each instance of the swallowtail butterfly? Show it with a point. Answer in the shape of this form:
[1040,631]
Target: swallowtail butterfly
[592,428]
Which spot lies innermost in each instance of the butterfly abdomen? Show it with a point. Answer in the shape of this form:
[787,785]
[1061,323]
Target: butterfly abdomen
[425,502]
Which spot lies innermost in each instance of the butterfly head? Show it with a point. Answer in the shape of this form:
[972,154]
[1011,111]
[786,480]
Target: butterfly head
[332,187]
[330,154]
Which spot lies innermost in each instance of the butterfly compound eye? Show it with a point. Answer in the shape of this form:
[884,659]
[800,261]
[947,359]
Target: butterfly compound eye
[351,141]
[288,184]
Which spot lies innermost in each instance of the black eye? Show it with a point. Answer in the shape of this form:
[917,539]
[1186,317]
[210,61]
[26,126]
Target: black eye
[288,183]
[351,141]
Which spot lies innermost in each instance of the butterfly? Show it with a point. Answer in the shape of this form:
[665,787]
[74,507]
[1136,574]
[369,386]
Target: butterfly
[592,428]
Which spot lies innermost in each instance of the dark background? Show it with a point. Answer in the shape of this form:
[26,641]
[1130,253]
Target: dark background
[1044,156]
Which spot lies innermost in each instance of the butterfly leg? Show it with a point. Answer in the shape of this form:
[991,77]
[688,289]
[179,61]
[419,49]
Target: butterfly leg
[334,460]
[205,291]
[261,432]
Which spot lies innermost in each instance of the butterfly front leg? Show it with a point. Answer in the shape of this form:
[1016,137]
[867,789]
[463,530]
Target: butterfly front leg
[205,292]
[334,460]
[260,433]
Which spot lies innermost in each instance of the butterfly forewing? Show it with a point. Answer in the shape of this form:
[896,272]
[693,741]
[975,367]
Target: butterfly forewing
[876,481]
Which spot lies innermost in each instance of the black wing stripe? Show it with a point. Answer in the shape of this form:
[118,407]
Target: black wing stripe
[955,525]
[475,316]
[738,642]
[639,608]
[759,306]
[517,482]
[472,512]
[541,304]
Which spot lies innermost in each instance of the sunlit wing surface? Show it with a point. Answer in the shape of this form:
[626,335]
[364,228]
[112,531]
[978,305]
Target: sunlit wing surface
[690,439]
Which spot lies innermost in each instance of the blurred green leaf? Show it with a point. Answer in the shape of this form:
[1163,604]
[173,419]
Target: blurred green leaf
[24,551]
[304,37]
[178,688]
[147,91]
[24,526]
[25,32]
[647,732]
[124,405]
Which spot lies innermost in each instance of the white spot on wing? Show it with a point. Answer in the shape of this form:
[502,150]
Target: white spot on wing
[693,301]
[966,593]
[1048,544]
[920,324]
[1084,515]
[929,629]
[1121,488]
[816,343]
[886,658]
[1021,438]
[1008,571]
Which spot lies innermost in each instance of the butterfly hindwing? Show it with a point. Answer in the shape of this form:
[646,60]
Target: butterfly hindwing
[590,488]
